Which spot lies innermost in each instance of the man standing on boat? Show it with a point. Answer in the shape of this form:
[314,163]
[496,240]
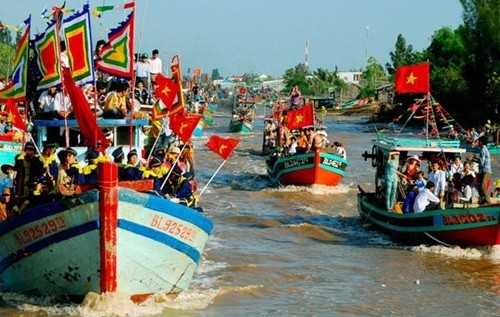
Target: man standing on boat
[391,180]
[295,97]
[484,168]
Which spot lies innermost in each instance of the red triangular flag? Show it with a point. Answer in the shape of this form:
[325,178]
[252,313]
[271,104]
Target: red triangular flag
[14,116]
[183,126]
[167,90]
[221,146]
[412,79]
[297,119]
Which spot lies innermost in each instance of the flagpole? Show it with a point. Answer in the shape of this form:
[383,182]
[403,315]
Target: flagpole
[156,140]
[172,167]
[211,178]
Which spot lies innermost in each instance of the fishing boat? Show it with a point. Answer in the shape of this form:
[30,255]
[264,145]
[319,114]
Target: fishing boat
[463,224]
[114,237]
[242,113]
[315,168]
[242,125]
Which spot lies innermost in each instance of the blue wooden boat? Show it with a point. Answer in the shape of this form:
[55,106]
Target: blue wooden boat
[111,238]
[9,150]
[240,125]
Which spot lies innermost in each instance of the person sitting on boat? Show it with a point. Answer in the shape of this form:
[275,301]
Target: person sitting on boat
[46,104]
[466,190]
[62,106]
[141,94]
[186,159]
[391,180]
[409,201]
[339,149]
[457,166]
[321,139]
[115,105]
[302,142]
[438,178]
[6,204]
[90,171]
[420,181]
[292,148]
[8,180]
[48,158]
[157,172]
[179,189]
[27,166]
[69,174]
[426,200]
[411,168]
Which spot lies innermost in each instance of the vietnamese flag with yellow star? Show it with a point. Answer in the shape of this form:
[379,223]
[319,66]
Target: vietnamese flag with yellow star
[166,90]
[412,79]
[183,126]
[14,116]
[221,146]
[297,119]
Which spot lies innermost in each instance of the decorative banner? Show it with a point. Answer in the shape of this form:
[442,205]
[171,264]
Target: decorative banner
[47,51]
[166,90]
[116,56]
[221,146]
[412,79]
[175,67]
[16,88]
[79,46]
[297,119]
[98,10]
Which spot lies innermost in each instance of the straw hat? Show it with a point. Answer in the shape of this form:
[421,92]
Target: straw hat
[414,157]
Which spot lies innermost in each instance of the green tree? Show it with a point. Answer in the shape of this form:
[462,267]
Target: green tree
[5,36]
[7,55]
[402,55]
[374,75]
[215,74]
[297,75]
[250,78]
[482,39]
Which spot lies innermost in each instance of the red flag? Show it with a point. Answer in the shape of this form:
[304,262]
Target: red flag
[221,146]
[175,67]
[412,79]
[167,90]
[183,126]
[91,134]
[14,116]
[297,119]
[242,90]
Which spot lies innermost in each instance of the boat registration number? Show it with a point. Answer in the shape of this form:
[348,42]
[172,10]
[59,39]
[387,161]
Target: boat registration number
[40,230]
[295,162]
[466,218]
[174,228]
[332,163]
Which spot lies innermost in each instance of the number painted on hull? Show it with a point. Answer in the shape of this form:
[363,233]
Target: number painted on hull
[40,230]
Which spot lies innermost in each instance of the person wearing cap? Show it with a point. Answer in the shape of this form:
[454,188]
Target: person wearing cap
[143,70]
[70,172]
[411,168]
[171,157]
[48,158]
[8,181]
[90,171]
[27,166]
[391,180]
[179,190]
[156,171]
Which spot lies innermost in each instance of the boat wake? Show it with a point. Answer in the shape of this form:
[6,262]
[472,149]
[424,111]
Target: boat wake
[486,252]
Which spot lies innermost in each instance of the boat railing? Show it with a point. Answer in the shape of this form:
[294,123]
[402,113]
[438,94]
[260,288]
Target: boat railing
[406,141]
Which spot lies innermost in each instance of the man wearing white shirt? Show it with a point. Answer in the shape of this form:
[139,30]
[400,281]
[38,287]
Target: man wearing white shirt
[425,199]
[155,65]
[438,177]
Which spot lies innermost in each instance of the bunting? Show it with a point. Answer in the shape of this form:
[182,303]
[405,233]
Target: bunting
[16,88]
[412,79]
[183,126]
[116,56]
[79,46]
[178,103]
[100,9]
[14,116]
[223,147]
[297,119]
[47,51]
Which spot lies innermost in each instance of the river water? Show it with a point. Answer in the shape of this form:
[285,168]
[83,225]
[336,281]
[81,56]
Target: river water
[295,251]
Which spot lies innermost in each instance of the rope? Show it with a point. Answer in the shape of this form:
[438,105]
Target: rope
[437,240]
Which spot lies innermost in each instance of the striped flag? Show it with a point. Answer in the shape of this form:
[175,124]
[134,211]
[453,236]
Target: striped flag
[16,88]
[100,9]
[79,44]
[116,56]
[175,67]
[47,52]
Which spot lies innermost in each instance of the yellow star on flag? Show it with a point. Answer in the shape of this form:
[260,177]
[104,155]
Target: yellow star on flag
[299,118]
[222,148]
[411,79]
[165,91]
[183,125]
[11,116]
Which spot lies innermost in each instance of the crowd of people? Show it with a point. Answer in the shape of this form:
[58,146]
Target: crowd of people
[447,182]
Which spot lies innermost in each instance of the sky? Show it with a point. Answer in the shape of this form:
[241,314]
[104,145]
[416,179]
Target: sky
[263,36]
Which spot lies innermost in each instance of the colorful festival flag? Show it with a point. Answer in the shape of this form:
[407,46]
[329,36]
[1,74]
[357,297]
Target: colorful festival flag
[100,9]
[79,46]
[178,103]
[116,56]
[412,79]
[16,88]
[14,116]
[183,126]
[166,90]
[221,146]
[90,132]
[48,60]
[297,119]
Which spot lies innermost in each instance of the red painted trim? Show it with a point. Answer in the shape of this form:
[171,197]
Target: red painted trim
[108,209]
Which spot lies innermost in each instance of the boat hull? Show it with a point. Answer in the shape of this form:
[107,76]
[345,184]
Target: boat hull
[307,169]
[454,226]
[9,150]
[240,126]
[103,240]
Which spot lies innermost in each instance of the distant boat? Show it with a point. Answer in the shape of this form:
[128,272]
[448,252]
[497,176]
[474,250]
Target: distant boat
[240,125]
